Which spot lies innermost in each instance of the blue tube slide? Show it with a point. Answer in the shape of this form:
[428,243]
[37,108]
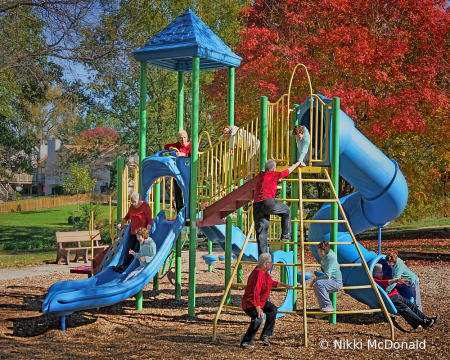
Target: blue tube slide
[108,287]
[381,196]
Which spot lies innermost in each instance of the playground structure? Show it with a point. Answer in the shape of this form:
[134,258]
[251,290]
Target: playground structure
[216,183]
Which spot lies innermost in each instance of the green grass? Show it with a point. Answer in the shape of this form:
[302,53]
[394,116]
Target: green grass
[418,224]
[35,229]
[422,223]
[22,260]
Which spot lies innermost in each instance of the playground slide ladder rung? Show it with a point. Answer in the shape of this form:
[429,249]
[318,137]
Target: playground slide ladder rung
[239,284]
[232,307]
[311,221]
[319,200]
[276,264]
[314,180]
[323,221]
[331,243]
[312,312]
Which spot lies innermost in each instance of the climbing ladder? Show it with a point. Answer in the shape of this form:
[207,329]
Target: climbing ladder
[304,311]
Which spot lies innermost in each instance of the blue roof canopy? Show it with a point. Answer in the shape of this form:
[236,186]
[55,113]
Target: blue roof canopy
[185,37]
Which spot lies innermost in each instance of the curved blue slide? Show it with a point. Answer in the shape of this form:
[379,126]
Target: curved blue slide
[107,287]
[381,196]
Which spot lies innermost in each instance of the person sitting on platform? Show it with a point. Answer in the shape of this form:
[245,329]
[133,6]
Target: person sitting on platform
[265,204]
[248,145]
[303,140]
[330,281]
[400,270]
[408,310]
[255,301]
[182,148]
[146,252]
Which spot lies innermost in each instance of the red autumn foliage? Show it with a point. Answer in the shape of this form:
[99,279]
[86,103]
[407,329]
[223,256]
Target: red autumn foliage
[99,136]
[388,60]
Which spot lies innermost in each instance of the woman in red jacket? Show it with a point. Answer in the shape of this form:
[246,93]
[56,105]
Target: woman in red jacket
[140,215]
[182,148]
[255,301]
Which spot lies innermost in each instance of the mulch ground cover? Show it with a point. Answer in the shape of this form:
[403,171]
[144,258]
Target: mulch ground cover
[163,330]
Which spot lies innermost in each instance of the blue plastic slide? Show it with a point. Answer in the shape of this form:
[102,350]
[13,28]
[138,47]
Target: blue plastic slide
[381,196]
[108,287]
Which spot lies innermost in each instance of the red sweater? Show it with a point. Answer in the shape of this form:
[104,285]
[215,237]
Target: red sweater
[184,149]
[258,289]
[385,283]
[266,187]
[140,217]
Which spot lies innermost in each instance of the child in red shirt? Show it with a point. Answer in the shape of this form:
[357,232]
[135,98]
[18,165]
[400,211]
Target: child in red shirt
[265,204]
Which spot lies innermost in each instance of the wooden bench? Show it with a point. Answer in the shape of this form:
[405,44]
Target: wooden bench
[81,252]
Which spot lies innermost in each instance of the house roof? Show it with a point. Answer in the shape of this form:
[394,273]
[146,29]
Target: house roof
[42,160]
[185,37]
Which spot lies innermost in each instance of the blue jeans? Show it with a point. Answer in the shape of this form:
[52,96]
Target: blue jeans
[323,287]
[134,273]
[415,290]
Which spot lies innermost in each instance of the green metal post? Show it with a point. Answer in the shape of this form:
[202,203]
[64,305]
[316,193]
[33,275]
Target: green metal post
[229,224]
[142,142]
[334,213]
[209,252]
[139,300]
[156,210]
[142,119]
[178,246]
[262,132]
[193,185]
[120,167]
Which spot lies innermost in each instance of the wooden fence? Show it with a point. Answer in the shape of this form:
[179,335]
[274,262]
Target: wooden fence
[42,203]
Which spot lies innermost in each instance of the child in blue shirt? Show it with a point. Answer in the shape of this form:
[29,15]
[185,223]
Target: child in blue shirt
[145,254]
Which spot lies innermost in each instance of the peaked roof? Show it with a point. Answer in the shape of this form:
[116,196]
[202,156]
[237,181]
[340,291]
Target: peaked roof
[185,37]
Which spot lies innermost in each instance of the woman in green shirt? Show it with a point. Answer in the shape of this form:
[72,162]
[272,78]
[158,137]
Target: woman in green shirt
[401,271]
[330,281]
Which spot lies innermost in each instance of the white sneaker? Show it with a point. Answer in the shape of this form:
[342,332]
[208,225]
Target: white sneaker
[302,163]
[328,308]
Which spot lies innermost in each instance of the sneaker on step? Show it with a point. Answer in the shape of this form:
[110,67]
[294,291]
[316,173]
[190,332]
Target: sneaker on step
[328,308]
[285,237]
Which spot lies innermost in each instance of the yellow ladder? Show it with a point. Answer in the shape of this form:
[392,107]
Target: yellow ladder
[302,243]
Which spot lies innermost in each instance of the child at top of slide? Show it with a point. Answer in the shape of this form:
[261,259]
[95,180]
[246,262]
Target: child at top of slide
[303,140]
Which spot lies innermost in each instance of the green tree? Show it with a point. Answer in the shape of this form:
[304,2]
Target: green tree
[78,180]
[117,75]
